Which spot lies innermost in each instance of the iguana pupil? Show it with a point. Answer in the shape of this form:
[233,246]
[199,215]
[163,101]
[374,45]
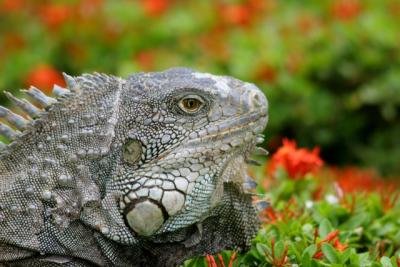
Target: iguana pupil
[191,103]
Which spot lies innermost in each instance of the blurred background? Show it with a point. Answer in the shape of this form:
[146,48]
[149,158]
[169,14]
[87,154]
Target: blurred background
[330,69]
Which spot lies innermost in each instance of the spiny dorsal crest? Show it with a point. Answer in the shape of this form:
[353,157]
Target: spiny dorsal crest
[16,125]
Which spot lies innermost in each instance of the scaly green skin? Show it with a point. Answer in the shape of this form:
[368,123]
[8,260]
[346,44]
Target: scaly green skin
[118,173]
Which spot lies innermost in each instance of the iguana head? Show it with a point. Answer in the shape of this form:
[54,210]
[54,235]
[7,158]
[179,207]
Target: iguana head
[180,136]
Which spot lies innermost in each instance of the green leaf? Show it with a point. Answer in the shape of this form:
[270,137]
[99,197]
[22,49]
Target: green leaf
[279,249]
[196,262]
[318,263]
[344,257]
[393,260]
[364,259]
[330,253]
[310,250]
[354,258]
[325,227]
[385,261]
[263,249]
[308,229]
[354,222]
[306,260]
[307,255]
[294,251]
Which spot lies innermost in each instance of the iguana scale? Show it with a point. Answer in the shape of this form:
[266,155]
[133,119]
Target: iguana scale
[144,171]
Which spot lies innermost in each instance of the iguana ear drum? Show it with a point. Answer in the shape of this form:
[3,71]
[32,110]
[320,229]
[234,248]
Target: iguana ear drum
[132,151]
[145,216]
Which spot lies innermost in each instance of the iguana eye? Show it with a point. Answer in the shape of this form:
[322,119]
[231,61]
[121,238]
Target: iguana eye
[191,104]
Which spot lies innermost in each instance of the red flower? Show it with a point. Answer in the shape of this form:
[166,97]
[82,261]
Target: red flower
[339,246]
[236,14]
[260,5]
[277,260]
[12,5]
[318,255]
[270,215]
[330,237]
[266,73]
[294,62]
[232,259]
[346,9]
[145,59]
[355,180]
[307,22]
[211,262]
[44,77]
[243,13]
[213,45]
[289,212]
[155,8]
[350,180]
[13,41]
[88,9]
[54,15]
[394,9]
[297,162]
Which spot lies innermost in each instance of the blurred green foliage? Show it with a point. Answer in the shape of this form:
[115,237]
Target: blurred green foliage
[330,69]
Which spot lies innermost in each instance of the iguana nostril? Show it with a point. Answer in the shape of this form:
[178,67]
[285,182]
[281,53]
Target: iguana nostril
[257,99]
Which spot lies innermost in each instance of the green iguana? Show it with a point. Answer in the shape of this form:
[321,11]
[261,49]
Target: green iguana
[144,171]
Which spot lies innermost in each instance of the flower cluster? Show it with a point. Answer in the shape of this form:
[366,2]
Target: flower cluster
[296,162]
[332,238]
[352,179]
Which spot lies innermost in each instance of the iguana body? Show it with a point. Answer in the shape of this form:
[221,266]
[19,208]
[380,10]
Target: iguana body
[145,171]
